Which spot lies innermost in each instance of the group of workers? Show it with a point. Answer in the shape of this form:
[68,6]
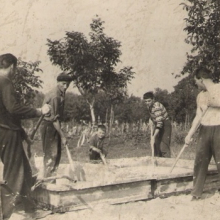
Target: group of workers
[17,171]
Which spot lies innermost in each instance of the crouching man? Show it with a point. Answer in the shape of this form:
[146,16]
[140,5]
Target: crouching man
[96,145]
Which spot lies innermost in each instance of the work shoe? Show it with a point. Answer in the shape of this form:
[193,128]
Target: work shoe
[38,214]
[195,198]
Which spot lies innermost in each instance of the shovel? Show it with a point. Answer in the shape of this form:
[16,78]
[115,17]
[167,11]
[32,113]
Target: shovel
[33,134]
[178,157]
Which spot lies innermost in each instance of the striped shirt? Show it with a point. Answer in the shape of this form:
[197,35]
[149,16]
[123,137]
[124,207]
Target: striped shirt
[158,114]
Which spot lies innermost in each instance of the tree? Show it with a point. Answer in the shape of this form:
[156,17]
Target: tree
[91,63]
[183,100]
[76,108]
[26,82]
[203,33]
[132,109]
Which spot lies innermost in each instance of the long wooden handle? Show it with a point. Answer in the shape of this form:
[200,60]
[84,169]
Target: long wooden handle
[103,158]
[33,134]
[69,157]
[36,127]
[178,157]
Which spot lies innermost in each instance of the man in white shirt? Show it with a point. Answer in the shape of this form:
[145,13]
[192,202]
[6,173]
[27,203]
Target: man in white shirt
[208,118]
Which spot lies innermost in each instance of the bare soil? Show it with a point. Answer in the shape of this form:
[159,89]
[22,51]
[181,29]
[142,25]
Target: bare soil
[178,207]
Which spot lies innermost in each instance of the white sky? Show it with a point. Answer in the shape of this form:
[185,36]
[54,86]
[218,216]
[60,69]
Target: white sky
[151,33]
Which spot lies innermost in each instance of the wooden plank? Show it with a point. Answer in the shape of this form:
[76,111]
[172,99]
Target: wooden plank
[166,186]
[88,197]
[123,180]
[171,186]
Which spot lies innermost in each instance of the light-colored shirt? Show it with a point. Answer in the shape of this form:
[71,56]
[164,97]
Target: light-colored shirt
[204,99]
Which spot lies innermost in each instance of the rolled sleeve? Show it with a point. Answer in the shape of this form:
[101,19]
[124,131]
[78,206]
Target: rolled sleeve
[55,109]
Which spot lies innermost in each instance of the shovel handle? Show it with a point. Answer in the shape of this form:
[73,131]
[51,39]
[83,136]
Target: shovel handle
[33,134]
[178,157]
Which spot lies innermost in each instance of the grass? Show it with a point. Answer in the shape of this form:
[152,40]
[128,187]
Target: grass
[124,146]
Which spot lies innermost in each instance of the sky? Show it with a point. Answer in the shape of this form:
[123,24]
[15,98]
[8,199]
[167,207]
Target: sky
[150,31]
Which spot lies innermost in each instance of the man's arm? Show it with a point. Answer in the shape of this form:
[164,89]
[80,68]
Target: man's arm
[200,112]
[57,126]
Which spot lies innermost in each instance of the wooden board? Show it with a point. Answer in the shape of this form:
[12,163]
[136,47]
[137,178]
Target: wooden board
[123,180]
[73,199]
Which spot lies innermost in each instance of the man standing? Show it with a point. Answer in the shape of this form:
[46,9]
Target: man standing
[51,132]
[16,171]
[161,126]
[208,118]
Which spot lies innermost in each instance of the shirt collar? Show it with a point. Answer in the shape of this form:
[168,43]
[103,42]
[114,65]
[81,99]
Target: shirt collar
[61,93]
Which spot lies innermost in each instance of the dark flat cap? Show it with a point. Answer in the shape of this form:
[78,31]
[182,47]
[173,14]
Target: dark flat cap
[64,77]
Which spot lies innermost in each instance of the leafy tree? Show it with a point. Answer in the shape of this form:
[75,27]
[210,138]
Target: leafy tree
[76,108]
[203,33]
[132,109]
[26,82]
[91,62]
[183,100]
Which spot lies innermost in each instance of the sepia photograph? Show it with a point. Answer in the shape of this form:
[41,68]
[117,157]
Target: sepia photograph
[110,110]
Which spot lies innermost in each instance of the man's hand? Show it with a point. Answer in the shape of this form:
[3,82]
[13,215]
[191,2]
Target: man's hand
[45,109]
[29,141]
[64,141]
[97,150]
[188,140]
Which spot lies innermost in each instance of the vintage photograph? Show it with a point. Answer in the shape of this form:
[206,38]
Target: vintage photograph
[110,110]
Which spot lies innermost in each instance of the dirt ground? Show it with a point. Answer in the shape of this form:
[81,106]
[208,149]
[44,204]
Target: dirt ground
[179,207]
[172,208]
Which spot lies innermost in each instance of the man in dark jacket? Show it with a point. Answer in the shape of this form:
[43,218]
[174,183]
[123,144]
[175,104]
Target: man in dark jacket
[51,132]
[16,171]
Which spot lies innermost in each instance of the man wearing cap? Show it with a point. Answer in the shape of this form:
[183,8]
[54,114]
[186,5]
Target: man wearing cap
[161,126]
[51,132]
[16,171]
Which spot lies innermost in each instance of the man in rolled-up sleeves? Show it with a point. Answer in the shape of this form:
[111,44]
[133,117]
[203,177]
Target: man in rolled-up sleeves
[51,132]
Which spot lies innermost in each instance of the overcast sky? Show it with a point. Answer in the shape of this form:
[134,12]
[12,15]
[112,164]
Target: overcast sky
[151,33]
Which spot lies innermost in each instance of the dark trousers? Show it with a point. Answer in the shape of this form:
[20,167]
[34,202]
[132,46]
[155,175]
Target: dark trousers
[51,142]
[16,172]
[207,146]
[93,155]
[162,142]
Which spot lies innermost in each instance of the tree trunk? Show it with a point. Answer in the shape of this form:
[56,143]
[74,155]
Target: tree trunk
[106,116]
[92,112]
[111,118]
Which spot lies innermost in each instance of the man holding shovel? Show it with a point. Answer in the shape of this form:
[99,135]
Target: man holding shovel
[208,118]
[160,126]
[17,171]
[51,132]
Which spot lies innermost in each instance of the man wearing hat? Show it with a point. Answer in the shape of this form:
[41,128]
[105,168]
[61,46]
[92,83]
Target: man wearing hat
[51,132]
[161,126]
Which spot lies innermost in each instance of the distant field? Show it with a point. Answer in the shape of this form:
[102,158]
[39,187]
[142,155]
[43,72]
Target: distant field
[129,145]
